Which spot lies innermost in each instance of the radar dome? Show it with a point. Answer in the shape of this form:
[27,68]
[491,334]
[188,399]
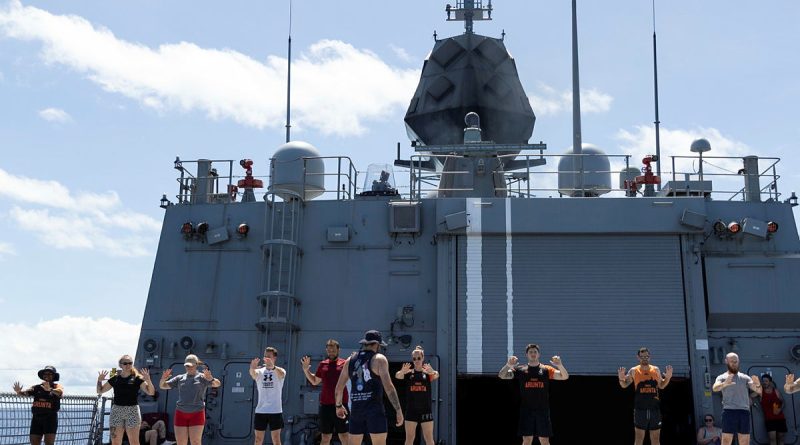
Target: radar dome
[297,170]
[596,172]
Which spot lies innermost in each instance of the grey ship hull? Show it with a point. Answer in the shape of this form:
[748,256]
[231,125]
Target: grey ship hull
[589,279]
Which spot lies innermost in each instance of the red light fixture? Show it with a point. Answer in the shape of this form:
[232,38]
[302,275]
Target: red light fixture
[734,227]
[243,229]
[187,228]
[772,227]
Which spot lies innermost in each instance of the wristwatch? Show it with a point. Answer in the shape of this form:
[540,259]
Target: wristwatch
[340,406]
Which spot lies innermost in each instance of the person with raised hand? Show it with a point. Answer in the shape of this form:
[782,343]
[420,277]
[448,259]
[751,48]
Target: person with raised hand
[647,382]
[327,374]
[126,418]
[735,387]
[419,406]
[46,403]
[269,410]
[190,409]
[534,387]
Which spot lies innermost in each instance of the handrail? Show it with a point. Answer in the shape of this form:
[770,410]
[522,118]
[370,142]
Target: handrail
[80,420]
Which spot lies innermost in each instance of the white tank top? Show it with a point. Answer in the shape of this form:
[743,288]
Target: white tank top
[269,387]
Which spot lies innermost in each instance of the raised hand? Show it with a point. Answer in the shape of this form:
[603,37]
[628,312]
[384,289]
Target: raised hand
[756,380]
[729,380]
[668,372]
[790,379]
[46,386]
[622,374]
[512,361]
[306,362]
[166,374]
[207,375]
[427,368]
[406,368]
[145,373]
[254,363]
[17,388]
[555,361]
[102,375]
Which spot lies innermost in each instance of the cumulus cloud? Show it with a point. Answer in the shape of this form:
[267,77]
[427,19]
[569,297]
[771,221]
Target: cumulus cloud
[336,87]
[77,346]
[402,54]
[549,101]
[55,115]
[82,220]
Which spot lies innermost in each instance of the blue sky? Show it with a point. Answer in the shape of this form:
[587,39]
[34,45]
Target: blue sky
[97,98]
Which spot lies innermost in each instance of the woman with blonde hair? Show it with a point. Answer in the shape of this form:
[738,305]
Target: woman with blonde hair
[419,407]
[125,415]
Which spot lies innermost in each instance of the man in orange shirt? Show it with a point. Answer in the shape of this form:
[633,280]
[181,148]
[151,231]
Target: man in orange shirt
[647,381]
[534,386]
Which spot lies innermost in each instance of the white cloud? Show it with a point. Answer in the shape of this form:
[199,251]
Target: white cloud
[6,249]
[55,115]
[402,54]
[77,346]
[336,87]
[81,220]
[548,101]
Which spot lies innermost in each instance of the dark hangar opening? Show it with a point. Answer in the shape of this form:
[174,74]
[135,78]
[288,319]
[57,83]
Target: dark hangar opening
[584,410]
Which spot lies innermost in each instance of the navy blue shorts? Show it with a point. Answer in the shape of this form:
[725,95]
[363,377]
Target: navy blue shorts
[534,422]
[368,421]
[42,424]
[736,421]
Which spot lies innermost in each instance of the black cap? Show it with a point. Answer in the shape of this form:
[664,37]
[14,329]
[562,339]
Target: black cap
[49,368]
[371,337]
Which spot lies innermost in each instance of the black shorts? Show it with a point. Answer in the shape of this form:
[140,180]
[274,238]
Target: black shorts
[736,421]
[371,421]
[42,424]
[647,419]
[329,423]
[262,421]
[778,425]
[535,422]
[416,415]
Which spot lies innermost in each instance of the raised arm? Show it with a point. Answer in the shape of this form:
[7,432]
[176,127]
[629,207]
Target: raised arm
[215,383]
[719,385]
[253,367]
[102,387]
[312,378]
[22,392]
[664,381]
[507,371]
[162,382]
[754,384]
[281,372]
[147,385]
[625,377]
[561,372]
[428,369]
[380,366]
[791,385]
[404,369]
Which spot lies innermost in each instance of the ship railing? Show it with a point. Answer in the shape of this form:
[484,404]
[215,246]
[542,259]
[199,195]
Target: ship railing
[219,185]
[728,172]
[81,420]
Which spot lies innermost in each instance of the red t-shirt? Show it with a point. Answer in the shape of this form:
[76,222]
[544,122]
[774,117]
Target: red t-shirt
[769,402]
[329,373]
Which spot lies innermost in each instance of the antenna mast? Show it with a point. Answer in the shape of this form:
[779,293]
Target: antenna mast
[577,147]
[655,87]
[468,11]
[289,79]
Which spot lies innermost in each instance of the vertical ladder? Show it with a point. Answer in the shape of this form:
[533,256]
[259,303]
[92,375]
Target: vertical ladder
[281,257]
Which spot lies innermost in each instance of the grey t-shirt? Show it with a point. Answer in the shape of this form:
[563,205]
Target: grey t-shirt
[736,396]
[191,391]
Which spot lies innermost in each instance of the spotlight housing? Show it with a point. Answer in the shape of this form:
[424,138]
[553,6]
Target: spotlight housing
[772,227]
[243,229]
[734,227]
[187,228]
[720,227]
[202,228]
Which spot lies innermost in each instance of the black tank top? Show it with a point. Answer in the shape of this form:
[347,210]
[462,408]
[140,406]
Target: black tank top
[366,388]
[45,402]
[418,391]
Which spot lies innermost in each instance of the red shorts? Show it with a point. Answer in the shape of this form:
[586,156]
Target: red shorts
[190,419]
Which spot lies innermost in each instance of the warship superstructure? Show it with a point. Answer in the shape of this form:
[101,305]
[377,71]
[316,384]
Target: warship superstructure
[472,264]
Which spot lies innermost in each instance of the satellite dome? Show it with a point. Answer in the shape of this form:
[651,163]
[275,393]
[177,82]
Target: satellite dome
[297,170]
[596,172]
[700,146]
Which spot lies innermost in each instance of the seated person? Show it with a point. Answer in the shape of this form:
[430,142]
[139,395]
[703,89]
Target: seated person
[152,435]
[708,434]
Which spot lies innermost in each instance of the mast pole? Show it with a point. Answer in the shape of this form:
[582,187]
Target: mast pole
[655,92]
[289,79]
[577,147]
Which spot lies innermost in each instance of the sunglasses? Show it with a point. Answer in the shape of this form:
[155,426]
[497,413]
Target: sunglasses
[709,420]
[125,363]
[417,358]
